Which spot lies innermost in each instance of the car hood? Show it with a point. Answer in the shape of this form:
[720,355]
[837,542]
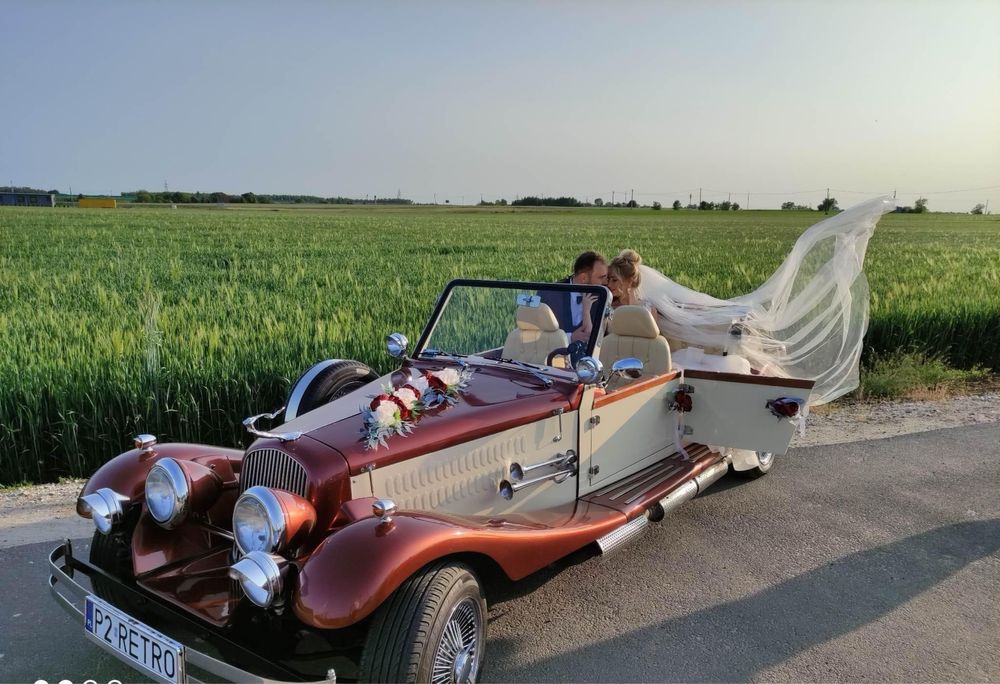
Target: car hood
[497,398]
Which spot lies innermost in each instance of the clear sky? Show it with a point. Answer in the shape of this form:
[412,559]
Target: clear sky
[506,98]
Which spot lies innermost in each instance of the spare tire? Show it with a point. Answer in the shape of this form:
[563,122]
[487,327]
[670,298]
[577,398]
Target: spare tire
[324,382]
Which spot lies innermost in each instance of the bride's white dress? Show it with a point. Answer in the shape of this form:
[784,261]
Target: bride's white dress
[807,320]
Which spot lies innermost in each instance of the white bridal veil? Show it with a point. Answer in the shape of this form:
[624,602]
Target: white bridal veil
[806,321]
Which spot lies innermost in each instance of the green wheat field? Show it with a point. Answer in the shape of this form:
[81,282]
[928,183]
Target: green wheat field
[182,322]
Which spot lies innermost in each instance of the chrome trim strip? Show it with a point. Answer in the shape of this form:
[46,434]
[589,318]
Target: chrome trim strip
[638,495]
[295,398]
[637,480]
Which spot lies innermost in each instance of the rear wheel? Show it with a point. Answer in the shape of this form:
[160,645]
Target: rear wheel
[432,629]
[324,382]
[765,461]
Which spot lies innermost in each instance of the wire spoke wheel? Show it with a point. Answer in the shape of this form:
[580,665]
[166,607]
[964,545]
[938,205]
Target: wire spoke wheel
[432,629]
[457,654]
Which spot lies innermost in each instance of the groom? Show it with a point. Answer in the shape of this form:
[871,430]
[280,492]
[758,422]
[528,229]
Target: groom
[590,268]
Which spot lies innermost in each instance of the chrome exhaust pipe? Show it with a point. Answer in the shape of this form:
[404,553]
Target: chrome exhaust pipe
[675,498]
[689,489]
[705,479]
[612,540]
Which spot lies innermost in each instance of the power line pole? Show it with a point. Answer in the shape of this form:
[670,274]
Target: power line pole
[699,197]
[612,197]
[748,200]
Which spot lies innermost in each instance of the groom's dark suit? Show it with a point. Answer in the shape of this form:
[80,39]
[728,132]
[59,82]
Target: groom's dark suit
[562,307]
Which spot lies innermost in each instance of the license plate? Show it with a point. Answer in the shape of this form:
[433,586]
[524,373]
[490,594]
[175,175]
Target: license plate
[139,645]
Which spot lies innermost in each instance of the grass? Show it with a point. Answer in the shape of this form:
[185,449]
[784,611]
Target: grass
[916,376]
[182,322]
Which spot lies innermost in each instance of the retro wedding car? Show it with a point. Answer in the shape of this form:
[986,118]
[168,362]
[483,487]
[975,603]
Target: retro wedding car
[361,538]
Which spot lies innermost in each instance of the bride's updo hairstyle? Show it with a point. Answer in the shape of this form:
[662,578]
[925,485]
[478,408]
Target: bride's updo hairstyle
[626,267]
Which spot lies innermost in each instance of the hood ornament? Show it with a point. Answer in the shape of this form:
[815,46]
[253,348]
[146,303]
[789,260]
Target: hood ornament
[250,425]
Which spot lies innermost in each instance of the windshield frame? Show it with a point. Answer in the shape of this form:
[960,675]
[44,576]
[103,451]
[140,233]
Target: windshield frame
[602,293]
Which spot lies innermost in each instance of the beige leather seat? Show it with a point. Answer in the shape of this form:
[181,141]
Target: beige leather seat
[536,335]
[634,334]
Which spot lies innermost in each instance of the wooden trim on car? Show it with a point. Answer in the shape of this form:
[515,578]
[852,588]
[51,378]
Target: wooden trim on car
[772,380]
[634,388]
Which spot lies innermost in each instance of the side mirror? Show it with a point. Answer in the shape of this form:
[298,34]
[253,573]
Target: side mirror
[628,368]
[588,370]
[397,344]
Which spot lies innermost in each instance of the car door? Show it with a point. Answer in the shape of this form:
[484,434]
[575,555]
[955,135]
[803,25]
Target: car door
[626,429]
[735,410]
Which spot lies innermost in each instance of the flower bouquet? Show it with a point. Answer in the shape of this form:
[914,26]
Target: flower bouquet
[395,411]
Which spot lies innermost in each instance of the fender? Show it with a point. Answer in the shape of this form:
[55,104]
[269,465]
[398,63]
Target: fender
[126,473]
[357,567]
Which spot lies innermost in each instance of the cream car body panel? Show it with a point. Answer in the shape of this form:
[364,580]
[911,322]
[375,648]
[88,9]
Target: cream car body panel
[463,479]
[735,414]
[626,435]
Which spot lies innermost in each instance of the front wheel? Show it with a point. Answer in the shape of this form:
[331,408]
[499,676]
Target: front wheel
[432,629]
[113,554]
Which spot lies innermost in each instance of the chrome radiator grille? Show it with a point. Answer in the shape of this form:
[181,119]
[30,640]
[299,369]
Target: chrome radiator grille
[275,469]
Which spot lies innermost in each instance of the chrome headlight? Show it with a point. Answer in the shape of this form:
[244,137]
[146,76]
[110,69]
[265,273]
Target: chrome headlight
[167,492]
[259,575]
[271,520]
[258,521]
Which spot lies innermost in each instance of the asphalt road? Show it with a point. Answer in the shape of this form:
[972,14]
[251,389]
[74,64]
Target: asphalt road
[871,561]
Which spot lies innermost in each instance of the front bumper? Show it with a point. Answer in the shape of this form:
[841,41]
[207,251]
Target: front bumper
[63,567]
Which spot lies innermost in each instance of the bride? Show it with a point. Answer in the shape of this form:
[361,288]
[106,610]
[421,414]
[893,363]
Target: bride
[806,321]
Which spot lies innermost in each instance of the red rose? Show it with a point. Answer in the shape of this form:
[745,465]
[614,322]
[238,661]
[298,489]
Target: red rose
[412,389]
[435,382]
[378,400]
[404,413]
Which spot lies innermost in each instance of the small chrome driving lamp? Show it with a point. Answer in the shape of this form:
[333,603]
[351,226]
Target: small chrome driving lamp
[588,370]
[397,343]
[106,508]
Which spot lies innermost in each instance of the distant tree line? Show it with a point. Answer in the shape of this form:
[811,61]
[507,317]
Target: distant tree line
[919,207]
[147,197]
[532,201]
[25,188]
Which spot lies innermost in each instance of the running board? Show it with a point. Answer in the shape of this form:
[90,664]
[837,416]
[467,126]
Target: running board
[682,493]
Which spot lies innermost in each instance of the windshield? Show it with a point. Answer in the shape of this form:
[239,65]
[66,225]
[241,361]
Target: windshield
[541,324]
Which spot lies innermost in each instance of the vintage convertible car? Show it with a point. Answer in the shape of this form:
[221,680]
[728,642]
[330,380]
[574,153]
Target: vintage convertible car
[361,538]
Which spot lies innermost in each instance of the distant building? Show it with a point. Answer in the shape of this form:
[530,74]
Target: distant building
[27,199]
[98,203]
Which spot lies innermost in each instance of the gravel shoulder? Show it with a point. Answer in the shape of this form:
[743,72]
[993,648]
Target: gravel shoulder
[48,512]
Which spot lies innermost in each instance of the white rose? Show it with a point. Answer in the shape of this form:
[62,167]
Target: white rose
[407,396]
[385,414]
[448,376]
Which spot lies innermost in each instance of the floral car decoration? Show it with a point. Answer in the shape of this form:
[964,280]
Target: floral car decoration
[395,411]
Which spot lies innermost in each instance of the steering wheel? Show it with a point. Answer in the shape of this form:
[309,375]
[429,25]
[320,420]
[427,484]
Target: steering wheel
[575,351]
